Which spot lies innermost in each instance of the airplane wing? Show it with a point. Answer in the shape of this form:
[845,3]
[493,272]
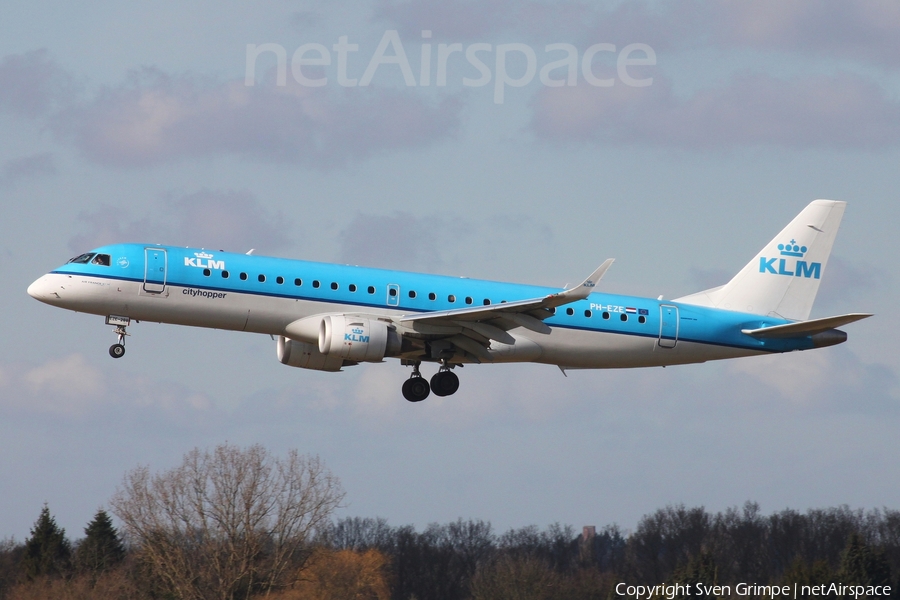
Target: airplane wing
[471,329]
[802,328]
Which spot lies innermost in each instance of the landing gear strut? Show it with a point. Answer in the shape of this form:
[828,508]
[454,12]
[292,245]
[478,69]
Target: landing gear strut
[445,382]
[416,389]
[117,350]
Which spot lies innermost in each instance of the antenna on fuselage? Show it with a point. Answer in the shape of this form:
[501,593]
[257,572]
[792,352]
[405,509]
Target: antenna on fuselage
[251,251]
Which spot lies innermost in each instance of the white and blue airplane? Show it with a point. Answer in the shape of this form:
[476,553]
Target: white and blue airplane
[326,317]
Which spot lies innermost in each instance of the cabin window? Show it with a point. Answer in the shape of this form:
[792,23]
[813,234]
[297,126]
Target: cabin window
[224,274]
[101,259]
[207,272]
[82,259]
[352,287]
[371,289]
[392,292]
[262,278]
[432,296]
[298,282]
[468,300]
[487,302]
[451,298]
[570,311]
[279,280]
[642,319]
[412,293]
[316,283]
[623,317]
[334,285]
[605,315]
[243,277]
[587,313]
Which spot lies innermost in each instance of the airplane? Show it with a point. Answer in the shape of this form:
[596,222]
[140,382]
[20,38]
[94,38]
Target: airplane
[327,317]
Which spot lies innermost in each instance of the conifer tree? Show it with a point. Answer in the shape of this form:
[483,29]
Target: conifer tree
[47,551]
[862,565]
[101,549]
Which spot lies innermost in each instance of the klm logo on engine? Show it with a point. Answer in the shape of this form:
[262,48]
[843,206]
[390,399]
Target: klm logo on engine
[204,261]
[356,335]
[790,263]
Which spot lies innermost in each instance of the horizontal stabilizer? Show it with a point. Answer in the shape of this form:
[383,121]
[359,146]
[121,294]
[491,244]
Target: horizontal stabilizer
[802,328]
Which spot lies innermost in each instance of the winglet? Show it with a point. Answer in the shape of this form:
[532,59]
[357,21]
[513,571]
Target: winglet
[583,290]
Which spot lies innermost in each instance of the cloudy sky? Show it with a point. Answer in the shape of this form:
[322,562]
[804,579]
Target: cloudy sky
[695,131]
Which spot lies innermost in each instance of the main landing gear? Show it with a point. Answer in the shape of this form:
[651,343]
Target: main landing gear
[443,383]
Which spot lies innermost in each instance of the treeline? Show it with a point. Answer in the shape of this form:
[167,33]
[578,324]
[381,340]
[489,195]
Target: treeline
[239,523]
[369,559]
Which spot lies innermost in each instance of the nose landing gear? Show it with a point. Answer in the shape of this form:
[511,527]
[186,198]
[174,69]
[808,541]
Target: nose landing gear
[117,350]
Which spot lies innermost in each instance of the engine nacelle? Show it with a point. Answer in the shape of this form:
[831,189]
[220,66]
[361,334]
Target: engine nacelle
[306,356]
[360,339]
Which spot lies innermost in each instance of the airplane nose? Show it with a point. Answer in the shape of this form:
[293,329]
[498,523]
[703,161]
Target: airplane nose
[34,290]
[41,289]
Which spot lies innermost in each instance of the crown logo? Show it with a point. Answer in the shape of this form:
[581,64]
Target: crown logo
[792,249]
[202,255]
[357,330]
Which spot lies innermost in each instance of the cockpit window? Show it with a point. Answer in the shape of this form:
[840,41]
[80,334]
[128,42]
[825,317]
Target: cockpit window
[83,259]
[101,259]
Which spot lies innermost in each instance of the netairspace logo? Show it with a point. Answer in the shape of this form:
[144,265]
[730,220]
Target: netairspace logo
[563,71]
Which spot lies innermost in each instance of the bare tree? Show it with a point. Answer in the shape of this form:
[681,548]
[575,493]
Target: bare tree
[229,523]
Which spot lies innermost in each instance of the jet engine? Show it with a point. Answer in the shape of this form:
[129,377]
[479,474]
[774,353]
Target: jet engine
[306,356]
[359,339]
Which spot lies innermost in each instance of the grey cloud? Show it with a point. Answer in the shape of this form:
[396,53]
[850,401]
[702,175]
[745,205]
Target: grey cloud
[399,241]
[32,85]
[228,220]
[863,30]
[157,118]
[17,169]
[436,242]
[845,283]
[840,111]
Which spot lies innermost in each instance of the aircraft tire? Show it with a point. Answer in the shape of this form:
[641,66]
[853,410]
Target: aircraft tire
[117,350]
[416,389]
[444,383]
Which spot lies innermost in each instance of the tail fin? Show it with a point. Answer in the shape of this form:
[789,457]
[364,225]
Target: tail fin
[782,280]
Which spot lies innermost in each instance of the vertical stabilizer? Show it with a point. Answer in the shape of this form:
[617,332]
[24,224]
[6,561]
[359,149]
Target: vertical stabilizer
[782,280]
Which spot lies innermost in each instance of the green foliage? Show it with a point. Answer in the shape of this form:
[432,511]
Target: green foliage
[862,565]
[699,569]
[47,551]
[101,549]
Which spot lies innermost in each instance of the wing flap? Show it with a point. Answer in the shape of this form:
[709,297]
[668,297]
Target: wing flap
[802,328]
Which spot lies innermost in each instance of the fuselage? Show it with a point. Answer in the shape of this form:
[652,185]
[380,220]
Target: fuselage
[203,288]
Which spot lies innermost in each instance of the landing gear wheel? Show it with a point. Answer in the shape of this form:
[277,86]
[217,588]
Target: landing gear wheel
[118,350]
[444,383]
[415,389]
